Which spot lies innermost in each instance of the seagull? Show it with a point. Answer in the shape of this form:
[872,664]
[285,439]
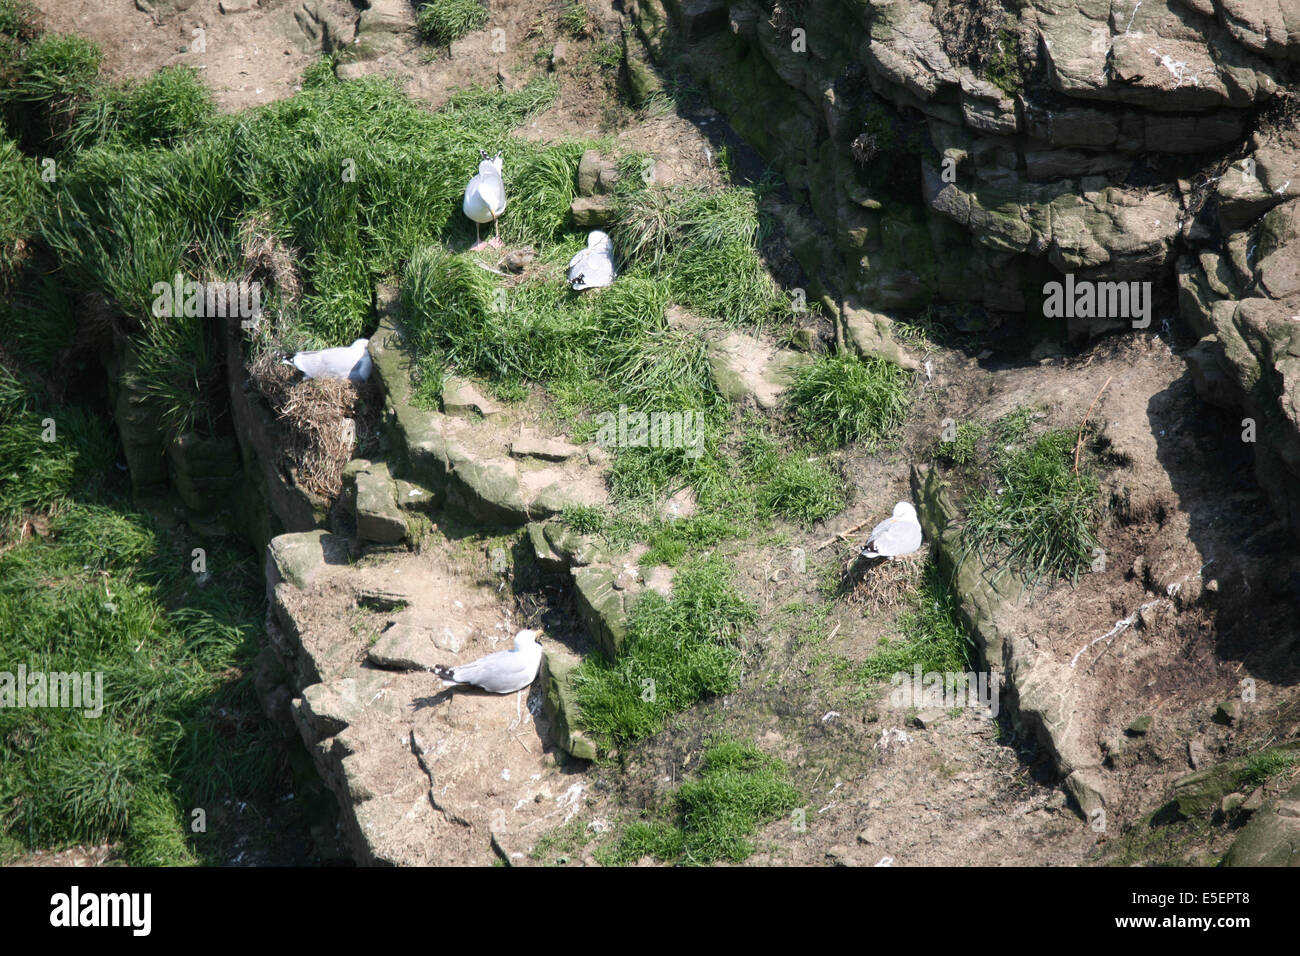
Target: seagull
[485,198]
[351,362]
[502,672]
[897,535]
[593,267]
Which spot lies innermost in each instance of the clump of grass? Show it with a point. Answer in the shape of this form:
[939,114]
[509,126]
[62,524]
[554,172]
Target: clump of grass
[962,448]
[1262,767]
[677,651]
[843,399]
[1002,68]
[445,21]
[170,105]
[85,593]
[715,817]
[20,191]
[56,78]
[575,19]
[804,489]
[1041,517]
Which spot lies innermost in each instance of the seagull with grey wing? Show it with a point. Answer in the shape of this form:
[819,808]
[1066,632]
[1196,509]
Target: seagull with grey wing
[502,672]
[350,362]
[485,198]
[897,535]
[593,267]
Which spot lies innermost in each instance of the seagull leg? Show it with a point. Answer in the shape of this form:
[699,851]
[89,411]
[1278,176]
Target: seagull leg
[478,236]
[495,241]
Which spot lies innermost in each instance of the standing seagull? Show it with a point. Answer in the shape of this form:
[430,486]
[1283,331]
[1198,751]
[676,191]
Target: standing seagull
[351,362]
[485,198]
[895,536]
[502,672]
[593,267]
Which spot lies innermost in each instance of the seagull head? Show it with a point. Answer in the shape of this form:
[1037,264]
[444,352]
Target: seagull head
[489,163]
[904,509]
[360,343]
[599,240]
[525,638]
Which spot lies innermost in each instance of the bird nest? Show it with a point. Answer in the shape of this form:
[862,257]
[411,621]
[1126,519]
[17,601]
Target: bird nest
[880,584]
[320,422]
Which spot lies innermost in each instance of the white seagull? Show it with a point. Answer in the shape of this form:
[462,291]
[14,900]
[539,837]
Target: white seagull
[502,672]
[351,362]
[593,267]
[897,535]
[485,198]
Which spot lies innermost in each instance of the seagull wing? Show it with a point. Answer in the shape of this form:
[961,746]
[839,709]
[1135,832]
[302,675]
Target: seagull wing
[893,537]
[501,673]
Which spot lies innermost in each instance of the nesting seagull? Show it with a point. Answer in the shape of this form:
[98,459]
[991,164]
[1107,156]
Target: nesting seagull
[502,672]
[485,198]
[896,536]
[351,362]
[593,267]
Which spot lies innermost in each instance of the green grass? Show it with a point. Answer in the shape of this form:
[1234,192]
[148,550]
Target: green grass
[931,635]
[962,448]
[1035,515]
[167,107]
[1262,767]
[445,21]
[677,651]
[20,189]
[56,76]
[104,590]
[842,399]
[714,817]
[575,20]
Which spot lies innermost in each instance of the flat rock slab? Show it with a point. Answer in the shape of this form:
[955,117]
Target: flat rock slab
[300,558]
[406,648]
[546,449]
[744,367]
[462,398]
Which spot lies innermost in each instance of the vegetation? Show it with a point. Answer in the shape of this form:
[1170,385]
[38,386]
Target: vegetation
[714,817]
[1037,514]
[677,651]
[445,21]
[88,586]
[842,399]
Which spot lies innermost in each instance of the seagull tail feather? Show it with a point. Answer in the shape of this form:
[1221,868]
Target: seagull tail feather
[444,673]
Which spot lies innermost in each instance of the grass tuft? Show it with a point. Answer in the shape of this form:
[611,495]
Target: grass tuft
[842,399]
[445,21]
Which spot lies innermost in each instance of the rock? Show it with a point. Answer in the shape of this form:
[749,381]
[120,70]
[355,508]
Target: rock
[406,648]
[382,599]
[560,703]
[300,558]
[1228,712]
[1231,802]
[575,548]
[589,166]
[463,399]
[1196,753]
[545,449]
[745,368]
[807,339]
[592,212]
[870,334]
[559,54]
[1140,726]
[234,6]
[927,719]
[1272,837]
[601,607]
[1198,792]
[548,560]
[325,710]
[378,517]
[1253,802]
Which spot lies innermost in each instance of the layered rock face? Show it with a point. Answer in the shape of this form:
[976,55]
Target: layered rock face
[1115,140]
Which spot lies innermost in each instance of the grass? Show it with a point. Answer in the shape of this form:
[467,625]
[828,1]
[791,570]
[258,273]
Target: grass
[1262,767]
[961,448]
[445,21]
[20,188]
[101,589]
[932,635]
[677,651]
[1002,67]
[1037,515]
[575,20]
[842,399]
[52,77]
[714,817]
